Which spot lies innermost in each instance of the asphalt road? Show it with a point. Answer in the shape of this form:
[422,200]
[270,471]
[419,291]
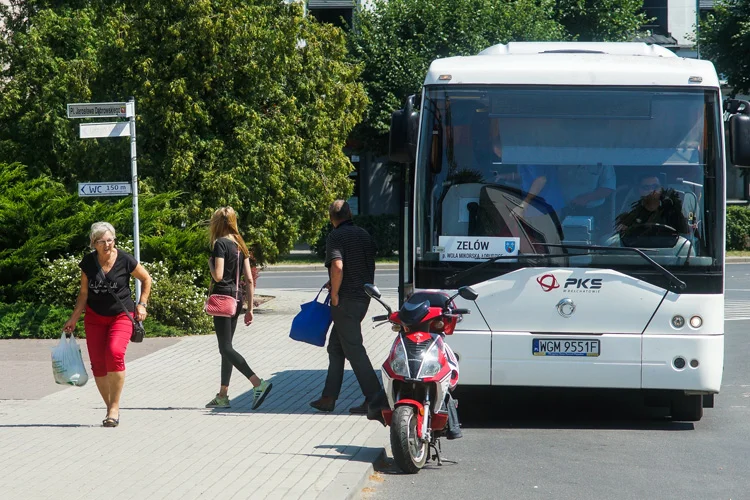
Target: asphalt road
[588,445]
[386,280]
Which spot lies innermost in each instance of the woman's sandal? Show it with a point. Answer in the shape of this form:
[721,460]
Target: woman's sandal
[111,422]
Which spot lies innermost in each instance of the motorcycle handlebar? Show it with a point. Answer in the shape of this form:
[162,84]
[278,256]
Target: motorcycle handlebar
[383,317]
[459,311]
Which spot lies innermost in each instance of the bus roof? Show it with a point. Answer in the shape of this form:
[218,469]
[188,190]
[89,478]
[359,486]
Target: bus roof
[573,63]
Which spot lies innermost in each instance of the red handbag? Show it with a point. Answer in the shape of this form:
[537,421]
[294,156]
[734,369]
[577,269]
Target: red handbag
[224,305]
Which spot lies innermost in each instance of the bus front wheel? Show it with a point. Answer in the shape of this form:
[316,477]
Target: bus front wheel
[687,408]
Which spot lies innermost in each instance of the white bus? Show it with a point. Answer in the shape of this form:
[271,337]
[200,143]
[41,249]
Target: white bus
[579,188]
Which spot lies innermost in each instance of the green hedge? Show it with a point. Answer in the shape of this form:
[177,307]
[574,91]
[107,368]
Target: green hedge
[34,321]
[738,228]
[176,302]
[383,228]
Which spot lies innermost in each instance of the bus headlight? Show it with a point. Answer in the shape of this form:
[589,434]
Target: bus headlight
[430,362]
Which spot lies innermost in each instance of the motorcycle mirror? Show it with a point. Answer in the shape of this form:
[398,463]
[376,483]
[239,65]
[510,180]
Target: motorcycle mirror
[468,293]
[372,290]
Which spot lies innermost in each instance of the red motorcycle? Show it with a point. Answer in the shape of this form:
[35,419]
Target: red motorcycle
[419,375]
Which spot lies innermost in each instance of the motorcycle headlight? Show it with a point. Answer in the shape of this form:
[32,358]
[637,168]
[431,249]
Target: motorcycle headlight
[399,364]
[430,362]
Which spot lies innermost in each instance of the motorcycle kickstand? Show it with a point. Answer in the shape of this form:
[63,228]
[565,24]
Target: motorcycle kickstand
[435,445]
[438,449]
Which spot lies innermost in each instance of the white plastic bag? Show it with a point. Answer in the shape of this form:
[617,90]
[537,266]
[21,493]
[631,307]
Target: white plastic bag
[67,362]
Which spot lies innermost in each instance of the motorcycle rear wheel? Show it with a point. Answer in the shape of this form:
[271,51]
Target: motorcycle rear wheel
[409,452]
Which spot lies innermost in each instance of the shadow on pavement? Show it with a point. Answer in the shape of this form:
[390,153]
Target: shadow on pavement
[561,408]
[291,394]
[47,425]
[355,453]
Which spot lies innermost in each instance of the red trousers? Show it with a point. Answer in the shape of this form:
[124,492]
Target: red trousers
[107,339]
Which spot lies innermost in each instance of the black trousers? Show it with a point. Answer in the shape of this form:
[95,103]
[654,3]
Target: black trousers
[345,342]
[224,328]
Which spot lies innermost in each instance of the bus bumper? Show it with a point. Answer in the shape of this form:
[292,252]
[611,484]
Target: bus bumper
[693,363]
[625,361]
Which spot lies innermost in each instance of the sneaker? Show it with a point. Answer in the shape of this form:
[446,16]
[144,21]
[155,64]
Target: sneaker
[219,402]
[260,393]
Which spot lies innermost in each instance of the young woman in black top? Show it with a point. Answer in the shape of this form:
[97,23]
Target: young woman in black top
[108,328]
[226,242]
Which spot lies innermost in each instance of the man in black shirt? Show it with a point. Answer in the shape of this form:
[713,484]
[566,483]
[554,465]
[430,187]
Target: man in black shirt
[655,206]
[350,259]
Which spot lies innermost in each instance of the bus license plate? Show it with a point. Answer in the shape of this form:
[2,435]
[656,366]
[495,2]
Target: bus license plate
[565,347]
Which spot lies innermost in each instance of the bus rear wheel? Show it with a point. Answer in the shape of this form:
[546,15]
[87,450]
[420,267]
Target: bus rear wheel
[687,408]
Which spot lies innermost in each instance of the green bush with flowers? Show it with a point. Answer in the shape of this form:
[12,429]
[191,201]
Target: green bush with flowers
[175,306]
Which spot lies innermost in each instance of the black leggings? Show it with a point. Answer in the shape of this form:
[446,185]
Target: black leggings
[229,357]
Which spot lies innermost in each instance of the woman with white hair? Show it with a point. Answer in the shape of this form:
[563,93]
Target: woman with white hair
[106,272]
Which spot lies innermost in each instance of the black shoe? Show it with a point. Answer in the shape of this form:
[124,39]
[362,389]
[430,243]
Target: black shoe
[326,403]
[376,406]
[361,409]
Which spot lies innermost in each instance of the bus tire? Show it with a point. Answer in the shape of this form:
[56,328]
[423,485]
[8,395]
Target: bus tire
[687,408]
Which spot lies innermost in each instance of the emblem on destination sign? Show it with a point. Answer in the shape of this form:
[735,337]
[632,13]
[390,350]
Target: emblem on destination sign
[566,308]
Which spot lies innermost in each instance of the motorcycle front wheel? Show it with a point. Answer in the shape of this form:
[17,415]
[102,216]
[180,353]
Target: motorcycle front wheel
[409,452]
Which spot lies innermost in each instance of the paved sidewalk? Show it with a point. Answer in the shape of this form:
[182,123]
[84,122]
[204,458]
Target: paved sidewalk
[169,446]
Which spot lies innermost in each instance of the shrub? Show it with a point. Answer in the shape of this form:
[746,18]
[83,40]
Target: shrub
[383,228]
[23,320]
[60,281]
[738,228]
[181,249]
[176,303]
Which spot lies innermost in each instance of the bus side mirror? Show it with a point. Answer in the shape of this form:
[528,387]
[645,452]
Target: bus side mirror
[402,140]
[739,133]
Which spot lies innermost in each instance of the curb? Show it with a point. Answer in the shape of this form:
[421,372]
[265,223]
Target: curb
[351,479]
[737,260]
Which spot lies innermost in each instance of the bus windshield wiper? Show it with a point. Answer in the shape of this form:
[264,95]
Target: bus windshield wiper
[453,279]
[664,271]
[450,280]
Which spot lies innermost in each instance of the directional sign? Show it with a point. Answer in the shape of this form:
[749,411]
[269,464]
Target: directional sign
[104,188]
[98,109]
[109,129]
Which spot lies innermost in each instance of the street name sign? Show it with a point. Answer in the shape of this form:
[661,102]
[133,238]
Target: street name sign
[108,129]
[98,109]
[104,189]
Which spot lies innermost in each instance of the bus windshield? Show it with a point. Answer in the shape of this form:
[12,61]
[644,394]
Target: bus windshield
[530,171]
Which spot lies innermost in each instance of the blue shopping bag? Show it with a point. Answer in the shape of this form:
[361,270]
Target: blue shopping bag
[312,323]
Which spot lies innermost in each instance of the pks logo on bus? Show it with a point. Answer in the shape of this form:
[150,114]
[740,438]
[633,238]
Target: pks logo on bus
[548,282]
[583,284]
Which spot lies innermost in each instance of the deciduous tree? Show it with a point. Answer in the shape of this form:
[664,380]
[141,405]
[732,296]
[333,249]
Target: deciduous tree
[724,38]
[397,39]
[601,20]
[242,103]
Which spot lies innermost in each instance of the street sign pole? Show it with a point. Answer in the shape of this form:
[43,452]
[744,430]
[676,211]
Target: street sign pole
[111,129]
[134,181]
